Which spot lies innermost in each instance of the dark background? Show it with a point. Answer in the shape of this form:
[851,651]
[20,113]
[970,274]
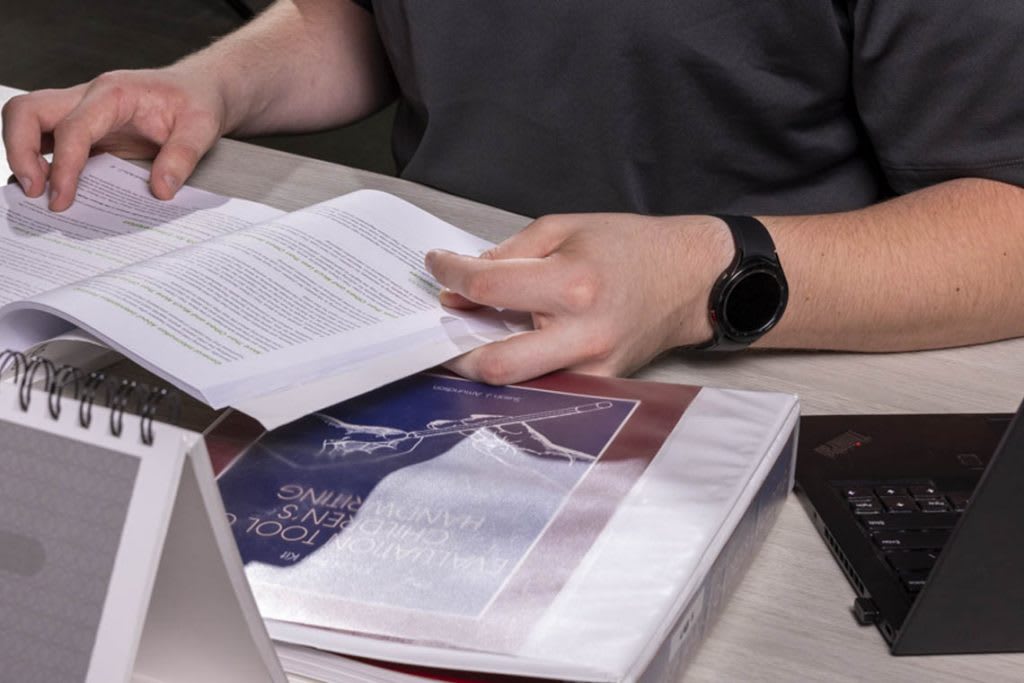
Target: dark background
[57,43]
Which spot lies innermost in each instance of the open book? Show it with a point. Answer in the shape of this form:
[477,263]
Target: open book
[234,302]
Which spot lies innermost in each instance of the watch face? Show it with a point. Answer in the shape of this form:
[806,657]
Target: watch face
[752,303]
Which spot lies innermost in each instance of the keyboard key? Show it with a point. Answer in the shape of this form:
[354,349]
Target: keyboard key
[887,491]
[910,540]
[913,581]
[899,503]
[933,505]
[858,492]
[911,520]
[867,506]
[906,561]
[959,501]
[924,491]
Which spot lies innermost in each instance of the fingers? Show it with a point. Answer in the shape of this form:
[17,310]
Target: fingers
[27,123]
[535,285]
[455,300]
[539,238]
[98,113]
[516,359]
[143,111]
[194,133]
[532,354]
[470,283]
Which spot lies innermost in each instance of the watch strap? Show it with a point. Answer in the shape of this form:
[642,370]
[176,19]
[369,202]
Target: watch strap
[749,235]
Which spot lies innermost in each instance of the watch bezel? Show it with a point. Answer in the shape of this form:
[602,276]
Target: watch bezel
[727,285]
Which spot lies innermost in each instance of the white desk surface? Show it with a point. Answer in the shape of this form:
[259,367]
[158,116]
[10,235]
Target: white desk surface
[790,618]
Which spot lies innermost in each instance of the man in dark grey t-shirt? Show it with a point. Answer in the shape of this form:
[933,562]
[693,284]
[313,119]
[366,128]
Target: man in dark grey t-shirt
[878,143]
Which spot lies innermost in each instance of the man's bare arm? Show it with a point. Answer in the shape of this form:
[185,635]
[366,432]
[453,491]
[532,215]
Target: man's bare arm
[301,65]
[943,266]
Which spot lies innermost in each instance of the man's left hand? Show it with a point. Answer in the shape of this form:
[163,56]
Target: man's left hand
[607,292]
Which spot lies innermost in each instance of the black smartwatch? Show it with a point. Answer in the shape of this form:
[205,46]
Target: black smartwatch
[750,296]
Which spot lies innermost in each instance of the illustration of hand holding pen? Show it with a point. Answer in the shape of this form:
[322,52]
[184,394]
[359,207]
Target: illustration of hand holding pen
[492,434]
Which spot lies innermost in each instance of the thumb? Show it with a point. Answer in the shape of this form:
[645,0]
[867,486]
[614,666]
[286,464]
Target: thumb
[192,136]
[536,240]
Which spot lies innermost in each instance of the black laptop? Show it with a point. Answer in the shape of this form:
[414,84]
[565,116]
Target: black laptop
[925,515]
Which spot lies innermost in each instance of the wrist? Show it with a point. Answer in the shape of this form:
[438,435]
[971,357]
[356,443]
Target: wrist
[224,86]
[707,246]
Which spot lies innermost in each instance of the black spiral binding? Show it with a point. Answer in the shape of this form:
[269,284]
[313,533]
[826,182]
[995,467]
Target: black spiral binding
[119,395]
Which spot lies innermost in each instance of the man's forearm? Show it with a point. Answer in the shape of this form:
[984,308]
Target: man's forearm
[943,266]
[300,65]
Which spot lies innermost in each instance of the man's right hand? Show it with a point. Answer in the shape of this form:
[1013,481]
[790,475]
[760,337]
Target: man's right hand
[300,65]
[163,114]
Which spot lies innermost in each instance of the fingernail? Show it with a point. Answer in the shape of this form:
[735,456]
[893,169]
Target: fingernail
[172,183]
[26,184]
[428,260]
[54,195]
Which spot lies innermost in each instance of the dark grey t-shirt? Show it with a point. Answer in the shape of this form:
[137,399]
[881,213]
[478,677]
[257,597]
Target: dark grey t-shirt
[686,106]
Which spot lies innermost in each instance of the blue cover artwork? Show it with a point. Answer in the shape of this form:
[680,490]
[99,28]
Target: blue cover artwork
[425,494]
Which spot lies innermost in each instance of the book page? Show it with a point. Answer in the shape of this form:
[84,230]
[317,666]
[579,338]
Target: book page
[276,305]
[114,222]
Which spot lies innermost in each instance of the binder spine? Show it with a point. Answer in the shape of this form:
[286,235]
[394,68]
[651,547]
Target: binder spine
[60,383]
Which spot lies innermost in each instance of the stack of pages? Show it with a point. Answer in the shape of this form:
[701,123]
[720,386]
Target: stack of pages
[234,302]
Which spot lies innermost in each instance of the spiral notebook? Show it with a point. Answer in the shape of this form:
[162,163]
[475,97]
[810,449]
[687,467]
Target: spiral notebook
[116,561]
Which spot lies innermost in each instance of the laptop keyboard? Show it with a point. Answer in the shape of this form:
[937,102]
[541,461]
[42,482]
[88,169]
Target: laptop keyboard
[908,523]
